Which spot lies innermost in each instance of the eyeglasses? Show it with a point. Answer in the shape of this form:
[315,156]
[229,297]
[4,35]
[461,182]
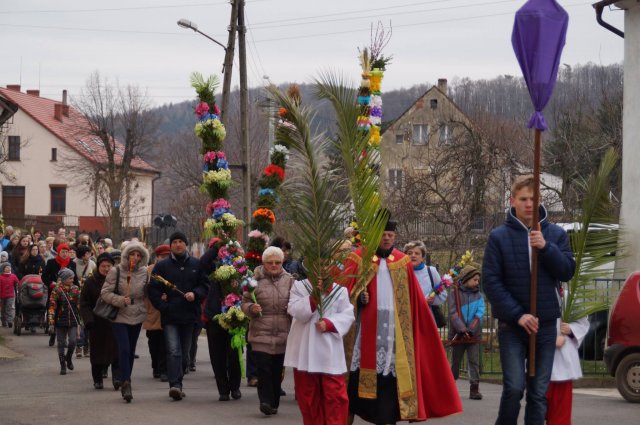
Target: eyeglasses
[273,262]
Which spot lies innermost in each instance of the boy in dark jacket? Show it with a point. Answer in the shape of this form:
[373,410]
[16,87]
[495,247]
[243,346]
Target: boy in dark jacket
[466,311]
[507,282]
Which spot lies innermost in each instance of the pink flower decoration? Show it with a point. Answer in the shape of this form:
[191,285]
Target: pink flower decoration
[216,110]
[212,156]
[223,252]
[202,109]
[231,300]
[255,234]
[242,269]
[221,155]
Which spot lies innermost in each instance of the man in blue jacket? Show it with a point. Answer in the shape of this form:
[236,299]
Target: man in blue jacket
[180,307]
[507,282]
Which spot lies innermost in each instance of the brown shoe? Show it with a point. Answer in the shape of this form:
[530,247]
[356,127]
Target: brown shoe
[474,393]
[252,382]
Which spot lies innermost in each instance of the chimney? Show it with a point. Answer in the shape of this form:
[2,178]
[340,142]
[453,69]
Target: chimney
[442,85]
[35,93]
[14,87]
[57,112]
[65,106]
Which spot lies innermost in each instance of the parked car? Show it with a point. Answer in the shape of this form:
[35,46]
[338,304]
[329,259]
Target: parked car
[622,355]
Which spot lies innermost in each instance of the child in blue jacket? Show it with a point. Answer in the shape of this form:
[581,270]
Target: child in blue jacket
[466,310]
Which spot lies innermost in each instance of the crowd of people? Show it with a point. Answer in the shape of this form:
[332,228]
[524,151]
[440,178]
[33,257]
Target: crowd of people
[375,352]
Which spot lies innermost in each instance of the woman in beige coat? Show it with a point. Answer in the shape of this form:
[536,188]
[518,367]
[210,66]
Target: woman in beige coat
[124,288]
[269,326]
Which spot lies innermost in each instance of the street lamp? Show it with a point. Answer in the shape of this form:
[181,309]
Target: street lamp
[185,23]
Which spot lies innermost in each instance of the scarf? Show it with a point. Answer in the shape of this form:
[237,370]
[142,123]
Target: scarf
[62,262]
[419,266]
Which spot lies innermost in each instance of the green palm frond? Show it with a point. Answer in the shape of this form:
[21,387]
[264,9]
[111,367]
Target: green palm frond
[205,88]
[360,164]
[311,198]
[595,251]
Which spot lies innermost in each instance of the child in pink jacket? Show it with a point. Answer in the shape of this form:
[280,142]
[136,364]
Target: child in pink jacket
[8,285]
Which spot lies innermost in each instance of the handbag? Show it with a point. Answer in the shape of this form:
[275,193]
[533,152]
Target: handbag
[105,310]
[438,316]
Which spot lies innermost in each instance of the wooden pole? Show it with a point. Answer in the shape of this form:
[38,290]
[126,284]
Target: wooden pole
[228,62]
[535,225]
[244,121]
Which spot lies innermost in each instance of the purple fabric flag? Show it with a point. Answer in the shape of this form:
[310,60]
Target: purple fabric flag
[539,33]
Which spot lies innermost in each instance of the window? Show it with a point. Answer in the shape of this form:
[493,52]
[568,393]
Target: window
[399,139]
[395,178]
[445,135]
[14,148]
[54,154]
[434,103]
[58,199]
[420,135]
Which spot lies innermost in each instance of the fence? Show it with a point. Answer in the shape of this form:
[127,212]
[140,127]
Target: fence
[591,350]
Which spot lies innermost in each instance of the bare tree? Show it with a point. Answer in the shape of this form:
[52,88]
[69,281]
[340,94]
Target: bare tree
[118,121]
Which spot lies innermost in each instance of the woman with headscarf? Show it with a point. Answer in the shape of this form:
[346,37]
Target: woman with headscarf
[104,351]
[124,288]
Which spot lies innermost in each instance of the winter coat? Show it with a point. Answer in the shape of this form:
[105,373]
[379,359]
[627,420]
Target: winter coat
[50,272]
[102,342]
[33,265]
[507,269]
[188,276]
[472,310]
[63,306]
[268,332]
[134,313]
[213,303]
[84,269]
[8,285]
[153,321]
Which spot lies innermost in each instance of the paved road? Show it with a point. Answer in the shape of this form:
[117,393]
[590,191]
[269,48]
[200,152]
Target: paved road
[33,393]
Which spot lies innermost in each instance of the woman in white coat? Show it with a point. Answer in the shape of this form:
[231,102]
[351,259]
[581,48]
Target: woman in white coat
[316,352]
[566,369]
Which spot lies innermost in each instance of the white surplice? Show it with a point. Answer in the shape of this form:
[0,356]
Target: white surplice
[309,350]
[566,361]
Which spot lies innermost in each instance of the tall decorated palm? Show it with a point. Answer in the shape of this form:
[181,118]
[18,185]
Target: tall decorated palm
[595,251]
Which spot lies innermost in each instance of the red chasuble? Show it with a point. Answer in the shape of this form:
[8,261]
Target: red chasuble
[426,388]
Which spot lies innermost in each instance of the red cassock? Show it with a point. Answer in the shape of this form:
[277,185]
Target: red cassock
[435,394]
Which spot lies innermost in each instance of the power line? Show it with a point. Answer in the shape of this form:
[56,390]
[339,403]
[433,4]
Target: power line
[274,24]
[255,48]
[118,9]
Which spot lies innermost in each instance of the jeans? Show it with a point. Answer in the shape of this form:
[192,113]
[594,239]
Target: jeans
[127,338]
[64,333]
[177,339]
[514,354]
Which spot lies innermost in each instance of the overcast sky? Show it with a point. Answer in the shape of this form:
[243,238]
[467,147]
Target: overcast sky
[57,45]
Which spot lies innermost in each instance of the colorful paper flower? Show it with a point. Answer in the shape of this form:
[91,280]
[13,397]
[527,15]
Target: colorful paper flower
[202,109]
[274,170]
[266,213]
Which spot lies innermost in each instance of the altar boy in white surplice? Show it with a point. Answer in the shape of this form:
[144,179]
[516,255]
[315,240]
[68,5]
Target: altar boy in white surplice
[316,352]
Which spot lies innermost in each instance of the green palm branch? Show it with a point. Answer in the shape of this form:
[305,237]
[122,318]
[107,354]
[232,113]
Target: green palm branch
[205,88]
[361,164]
[594,251]
[313,200]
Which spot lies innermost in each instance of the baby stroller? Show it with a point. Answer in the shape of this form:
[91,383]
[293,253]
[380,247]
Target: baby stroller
[31,305]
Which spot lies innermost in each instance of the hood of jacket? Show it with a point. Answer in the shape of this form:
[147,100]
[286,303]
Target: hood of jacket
[515,222]
[134,246]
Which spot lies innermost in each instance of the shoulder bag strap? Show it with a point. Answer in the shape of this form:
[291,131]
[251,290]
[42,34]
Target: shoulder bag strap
[70,307]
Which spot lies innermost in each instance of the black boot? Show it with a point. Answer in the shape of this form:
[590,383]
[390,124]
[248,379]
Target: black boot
[474,394]
[52,340]
[69,357]
[63,365]
[126,391]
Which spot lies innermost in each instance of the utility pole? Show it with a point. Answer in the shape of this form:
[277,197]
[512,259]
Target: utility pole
[228,59]
[244,119]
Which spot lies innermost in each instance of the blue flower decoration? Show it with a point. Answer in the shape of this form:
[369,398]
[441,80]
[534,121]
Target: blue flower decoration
[218,212]
[223,164]
[265,192]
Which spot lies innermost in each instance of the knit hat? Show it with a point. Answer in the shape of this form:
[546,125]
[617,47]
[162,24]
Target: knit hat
[116,254]
[163,250]
[61,247]
[178,235]
[105,256]
[65,274]
[467,272]
[82,250]
[108,242]
[4,255]
[3,265]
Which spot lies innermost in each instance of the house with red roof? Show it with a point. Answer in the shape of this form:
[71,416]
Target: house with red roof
[45,146]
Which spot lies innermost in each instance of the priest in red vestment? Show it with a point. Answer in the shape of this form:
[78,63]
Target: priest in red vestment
[398,367]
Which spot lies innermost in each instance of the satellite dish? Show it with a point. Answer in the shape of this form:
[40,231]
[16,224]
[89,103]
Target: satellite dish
[158,221]
[169,220]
